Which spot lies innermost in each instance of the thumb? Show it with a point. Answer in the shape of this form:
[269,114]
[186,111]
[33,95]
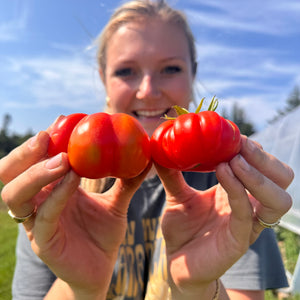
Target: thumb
[173,182]
[123,190]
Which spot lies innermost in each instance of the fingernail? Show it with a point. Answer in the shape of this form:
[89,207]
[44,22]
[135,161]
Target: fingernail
[229,170]
[253,144]
[54,162]
[243,163]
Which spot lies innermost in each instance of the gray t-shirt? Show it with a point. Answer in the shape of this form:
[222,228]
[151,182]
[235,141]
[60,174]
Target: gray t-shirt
[140,271]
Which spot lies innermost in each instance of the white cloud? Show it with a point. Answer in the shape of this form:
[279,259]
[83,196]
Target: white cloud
[288,68]
[275,17]
[224,69]
[13,27]
[54,81]
[235,59]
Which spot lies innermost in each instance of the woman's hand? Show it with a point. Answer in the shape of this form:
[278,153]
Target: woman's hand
[77,234]
[206,232]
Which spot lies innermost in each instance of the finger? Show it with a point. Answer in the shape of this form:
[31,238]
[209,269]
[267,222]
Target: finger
[242,211]
[271,196]
[24,156]
[277,171]
[48,215]
[20,192]
[173,182]
[123,190]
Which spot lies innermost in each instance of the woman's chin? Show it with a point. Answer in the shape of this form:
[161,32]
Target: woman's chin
[150,124]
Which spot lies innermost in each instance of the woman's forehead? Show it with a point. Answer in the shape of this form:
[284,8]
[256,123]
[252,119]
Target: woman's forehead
[149,36]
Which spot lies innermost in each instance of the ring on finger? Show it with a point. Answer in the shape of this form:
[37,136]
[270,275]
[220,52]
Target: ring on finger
[265,224]
[22,219]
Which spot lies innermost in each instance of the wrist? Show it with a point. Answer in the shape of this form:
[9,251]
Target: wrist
[210,291]
[88,295]
[64,291]
[80,293]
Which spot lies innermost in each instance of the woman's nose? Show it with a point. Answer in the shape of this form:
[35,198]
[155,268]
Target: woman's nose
[148,88]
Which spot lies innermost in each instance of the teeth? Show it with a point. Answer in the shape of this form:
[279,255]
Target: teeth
[150,113]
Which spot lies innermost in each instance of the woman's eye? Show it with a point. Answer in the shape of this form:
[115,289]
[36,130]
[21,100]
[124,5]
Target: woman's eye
[171,69]
[123,72]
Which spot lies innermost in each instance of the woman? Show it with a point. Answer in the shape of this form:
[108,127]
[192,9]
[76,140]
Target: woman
[183,231]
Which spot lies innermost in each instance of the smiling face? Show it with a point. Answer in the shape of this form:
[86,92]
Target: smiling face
[148,70]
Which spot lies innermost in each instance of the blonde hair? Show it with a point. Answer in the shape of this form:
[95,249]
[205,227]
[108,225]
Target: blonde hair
[137,10]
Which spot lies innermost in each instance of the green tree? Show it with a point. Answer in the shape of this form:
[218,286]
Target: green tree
[10,141]
[292,102]
[6,121]
[238,116]
[6,144]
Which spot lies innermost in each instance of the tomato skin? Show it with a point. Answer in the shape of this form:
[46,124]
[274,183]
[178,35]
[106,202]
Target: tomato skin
[60,133]
[159,144]
[195,142]
[104,145]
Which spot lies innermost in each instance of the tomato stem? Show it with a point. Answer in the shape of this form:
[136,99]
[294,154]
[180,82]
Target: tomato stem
[179,110]
[182,111]
[199,106]
[213,104]
[166,117]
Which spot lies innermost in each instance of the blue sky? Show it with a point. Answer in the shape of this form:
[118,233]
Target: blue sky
[248,53]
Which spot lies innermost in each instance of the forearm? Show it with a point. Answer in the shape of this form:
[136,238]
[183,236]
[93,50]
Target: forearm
[213,291]
[61,290]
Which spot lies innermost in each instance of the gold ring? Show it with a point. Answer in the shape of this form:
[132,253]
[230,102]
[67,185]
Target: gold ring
[22,219]
[267,225]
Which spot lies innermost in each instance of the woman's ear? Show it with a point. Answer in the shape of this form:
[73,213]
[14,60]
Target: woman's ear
[195,65]
[102,75]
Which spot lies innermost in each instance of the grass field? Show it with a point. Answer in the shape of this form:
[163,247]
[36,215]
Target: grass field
[8,234]
[289,244]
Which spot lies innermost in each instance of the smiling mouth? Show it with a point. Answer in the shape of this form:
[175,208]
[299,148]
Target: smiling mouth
[151,113]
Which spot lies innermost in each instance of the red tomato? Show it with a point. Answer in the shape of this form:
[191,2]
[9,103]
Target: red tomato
[103,145]
[60,133]
[195,142]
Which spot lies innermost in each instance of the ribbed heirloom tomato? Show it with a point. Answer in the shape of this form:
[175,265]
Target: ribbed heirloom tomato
[103,145]
[60,133]
[195,141]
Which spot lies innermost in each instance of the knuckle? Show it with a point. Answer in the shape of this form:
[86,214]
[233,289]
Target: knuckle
[285,177]
[290,174]
[7,196]
[4,194]
[261,157]
[258,180]
[287,202]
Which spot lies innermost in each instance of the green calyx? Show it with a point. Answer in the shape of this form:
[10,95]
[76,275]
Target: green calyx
[182,111]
